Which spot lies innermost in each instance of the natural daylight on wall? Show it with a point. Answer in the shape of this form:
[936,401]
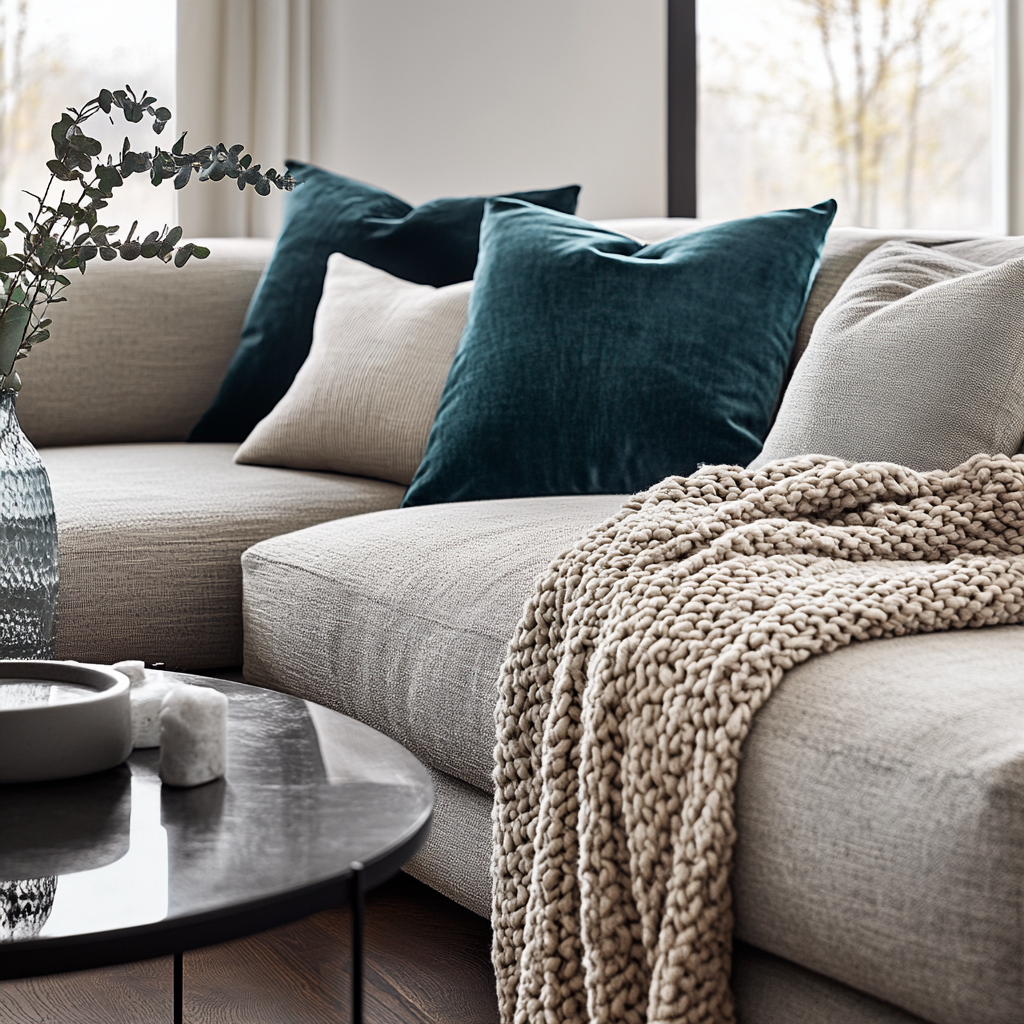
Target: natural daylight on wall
[883,104]
[60,53]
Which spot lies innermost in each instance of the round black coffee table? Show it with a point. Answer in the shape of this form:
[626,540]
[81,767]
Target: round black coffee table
[316,808]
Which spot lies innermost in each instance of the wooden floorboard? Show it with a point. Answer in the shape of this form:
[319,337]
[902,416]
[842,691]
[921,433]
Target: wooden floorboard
[427,962]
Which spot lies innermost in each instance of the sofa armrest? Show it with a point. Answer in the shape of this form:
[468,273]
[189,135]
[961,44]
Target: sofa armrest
[138,351]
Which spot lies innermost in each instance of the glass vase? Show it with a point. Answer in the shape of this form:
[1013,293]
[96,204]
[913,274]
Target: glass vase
[28,544]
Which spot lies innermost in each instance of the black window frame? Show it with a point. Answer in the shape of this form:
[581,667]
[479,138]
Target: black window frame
[682,108]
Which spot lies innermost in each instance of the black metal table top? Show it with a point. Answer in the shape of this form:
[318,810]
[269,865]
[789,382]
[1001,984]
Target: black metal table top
[114,867]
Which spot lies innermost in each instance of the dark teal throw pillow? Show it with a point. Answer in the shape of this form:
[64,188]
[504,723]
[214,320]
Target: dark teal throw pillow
[435,243]
[594,364]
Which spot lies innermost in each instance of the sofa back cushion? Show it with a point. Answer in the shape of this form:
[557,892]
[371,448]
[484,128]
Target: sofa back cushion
[918,360]
[139,349]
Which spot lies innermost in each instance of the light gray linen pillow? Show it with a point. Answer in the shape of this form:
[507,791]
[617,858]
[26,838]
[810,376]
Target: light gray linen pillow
[365,399]
[918,360]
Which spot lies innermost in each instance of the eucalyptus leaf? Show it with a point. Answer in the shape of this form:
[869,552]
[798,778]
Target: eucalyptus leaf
[46,249]
[109,178]
[59,171]
[83,144]
[59,133]
[10,264]
[12,329]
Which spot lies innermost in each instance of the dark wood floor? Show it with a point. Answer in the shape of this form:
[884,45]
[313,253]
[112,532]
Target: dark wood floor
[427,960]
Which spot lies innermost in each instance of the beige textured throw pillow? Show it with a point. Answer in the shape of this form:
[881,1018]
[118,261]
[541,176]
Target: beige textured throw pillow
[365,399]
[918,360]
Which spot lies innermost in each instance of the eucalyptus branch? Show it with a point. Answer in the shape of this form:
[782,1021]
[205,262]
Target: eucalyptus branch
[69,235]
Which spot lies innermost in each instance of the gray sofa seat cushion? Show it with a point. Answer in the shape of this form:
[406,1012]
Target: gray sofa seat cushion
[880,804]
[880,810]
[413,613]
[150,539]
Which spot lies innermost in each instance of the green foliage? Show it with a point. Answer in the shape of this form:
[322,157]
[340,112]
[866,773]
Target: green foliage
[66,233]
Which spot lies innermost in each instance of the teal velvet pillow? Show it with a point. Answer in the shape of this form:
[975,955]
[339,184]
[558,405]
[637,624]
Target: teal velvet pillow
[593,364]
[435,243]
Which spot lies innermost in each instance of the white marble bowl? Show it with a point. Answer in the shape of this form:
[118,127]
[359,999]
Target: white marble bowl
[58,720]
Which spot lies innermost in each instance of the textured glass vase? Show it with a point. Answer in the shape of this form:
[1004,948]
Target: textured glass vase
[28,545]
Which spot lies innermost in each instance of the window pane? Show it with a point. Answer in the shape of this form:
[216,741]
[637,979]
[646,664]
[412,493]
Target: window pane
[60,53]
[883,104]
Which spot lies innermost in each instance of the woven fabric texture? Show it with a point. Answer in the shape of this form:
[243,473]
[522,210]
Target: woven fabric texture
[366,396]
[138,351]
[916,361]
[456,858]
[414,611]
[632,680]
[770,990]
[880,818]
[150,540]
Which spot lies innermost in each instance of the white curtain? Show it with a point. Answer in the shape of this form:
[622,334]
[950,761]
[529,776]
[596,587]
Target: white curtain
[243,75]
[1008,119]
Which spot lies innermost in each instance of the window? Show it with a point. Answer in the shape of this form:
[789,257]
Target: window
[883,104]
[60,53]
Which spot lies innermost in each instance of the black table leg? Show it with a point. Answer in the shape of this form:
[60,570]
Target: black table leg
[356,903]
[178,995]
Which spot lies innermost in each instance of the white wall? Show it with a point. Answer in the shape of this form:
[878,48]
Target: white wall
[429,98]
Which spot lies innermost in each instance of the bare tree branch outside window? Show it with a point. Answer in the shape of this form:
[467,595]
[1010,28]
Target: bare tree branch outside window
[884,103]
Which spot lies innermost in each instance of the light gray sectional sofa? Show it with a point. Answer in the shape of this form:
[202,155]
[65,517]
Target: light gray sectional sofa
[880,863]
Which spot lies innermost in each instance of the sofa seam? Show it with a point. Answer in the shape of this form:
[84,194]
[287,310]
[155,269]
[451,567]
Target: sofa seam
[375,599]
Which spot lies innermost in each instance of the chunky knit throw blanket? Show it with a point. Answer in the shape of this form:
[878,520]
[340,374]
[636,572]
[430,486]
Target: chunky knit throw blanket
[632,680]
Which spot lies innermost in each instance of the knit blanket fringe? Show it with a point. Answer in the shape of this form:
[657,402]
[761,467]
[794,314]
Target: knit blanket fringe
[631,682]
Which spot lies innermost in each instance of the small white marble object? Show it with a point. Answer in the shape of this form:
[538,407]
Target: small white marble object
[146,698]
[193,735]
[134,670]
